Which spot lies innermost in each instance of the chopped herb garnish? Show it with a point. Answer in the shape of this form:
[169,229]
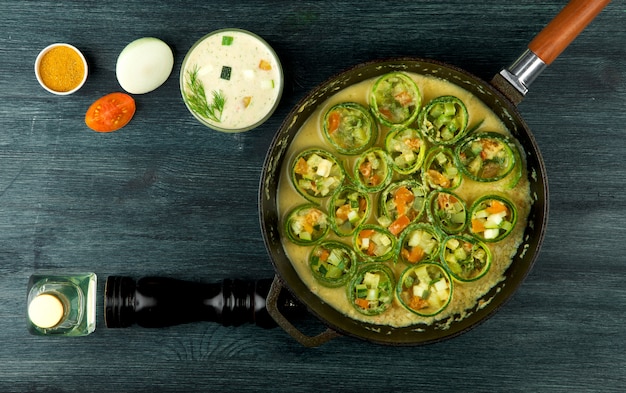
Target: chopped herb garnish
[196,98]
[227,40]
[226,70]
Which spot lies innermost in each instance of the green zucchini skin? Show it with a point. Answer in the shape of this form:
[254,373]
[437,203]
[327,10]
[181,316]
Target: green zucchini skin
[299,218]
[372,170]
[395,99]
[357,201]
[443,121]
[313,182]
[385,288]
[501,229]
[472,263]
[406,149]
[350,128]
[447,211]
[441,170]
[337,267]
[425,289]
[486,156]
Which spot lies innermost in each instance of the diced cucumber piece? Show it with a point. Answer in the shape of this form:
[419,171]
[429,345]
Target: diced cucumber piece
[335,257]
[384,221]
[441,285]
[334,272]
[422,275]
[458,218]
[491,233]
[314,160]
[415,239]
[372,294]
[353,216]
[361,290]
[371,280]
[460,254]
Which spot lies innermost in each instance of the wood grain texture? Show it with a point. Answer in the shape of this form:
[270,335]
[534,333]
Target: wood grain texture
[167,196]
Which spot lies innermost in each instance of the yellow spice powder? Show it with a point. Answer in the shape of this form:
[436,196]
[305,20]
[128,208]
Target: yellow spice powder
[61,69]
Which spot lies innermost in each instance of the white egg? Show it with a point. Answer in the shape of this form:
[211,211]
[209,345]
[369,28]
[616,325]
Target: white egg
[143,65]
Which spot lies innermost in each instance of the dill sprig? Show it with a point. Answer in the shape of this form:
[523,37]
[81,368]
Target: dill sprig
[197,100]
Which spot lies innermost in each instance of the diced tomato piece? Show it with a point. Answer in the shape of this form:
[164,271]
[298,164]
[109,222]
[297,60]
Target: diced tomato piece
[438,178]
[385,112]
[417,303]
[301,167]
[334,118]
[403,198]
[404,98]
[362,204]
[398,225]
[413,143]
[415,255]
[366,169]
[366,233]
[363,303]
[342,212]
[496,207]
[371,249]
[445,200]
[478,226]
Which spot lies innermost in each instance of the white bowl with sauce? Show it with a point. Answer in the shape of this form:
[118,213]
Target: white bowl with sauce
[61,69]
[231,80]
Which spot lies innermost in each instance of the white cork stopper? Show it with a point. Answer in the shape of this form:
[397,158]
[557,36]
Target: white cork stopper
[46,311]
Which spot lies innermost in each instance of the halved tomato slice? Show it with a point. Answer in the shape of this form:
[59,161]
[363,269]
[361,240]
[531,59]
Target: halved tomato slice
[110,113]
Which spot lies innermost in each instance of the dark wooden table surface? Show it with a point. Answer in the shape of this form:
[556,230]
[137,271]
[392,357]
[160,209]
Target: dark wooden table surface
[167,196]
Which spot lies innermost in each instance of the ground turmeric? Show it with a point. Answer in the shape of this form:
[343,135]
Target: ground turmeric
[61,69]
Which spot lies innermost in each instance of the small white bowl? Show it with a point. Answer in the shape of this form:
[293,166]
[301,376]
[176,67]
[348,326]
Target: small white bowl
[38,72]
[241,68]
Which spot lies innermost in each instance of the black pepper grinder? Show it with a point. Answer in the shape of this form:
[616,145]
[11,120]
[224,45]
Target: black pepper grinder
[154,302]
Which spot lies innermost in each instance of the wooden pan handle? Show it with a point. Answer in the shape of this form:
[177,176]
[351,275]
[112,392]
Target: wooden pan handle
[565,27]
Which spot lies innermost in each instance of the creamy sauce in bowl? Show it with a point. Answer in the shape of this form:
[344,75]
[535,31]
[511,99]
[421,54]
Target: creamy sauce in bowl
[467,295]
[231,80]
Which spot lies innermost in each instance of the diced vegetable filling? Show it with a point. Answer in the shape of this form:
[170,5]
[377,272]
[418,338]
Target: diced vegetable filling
[487,158]
[492,219]
[404,202]
[373,293]
[374,242]
[331,261]
[350,128]
[404,147]
[441,171]
[308,224]
[373,170]
[396,98]
[425,289]
[317,176]
[444,119]
[350,210]
[465,259]
[449,211]
[419,245]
